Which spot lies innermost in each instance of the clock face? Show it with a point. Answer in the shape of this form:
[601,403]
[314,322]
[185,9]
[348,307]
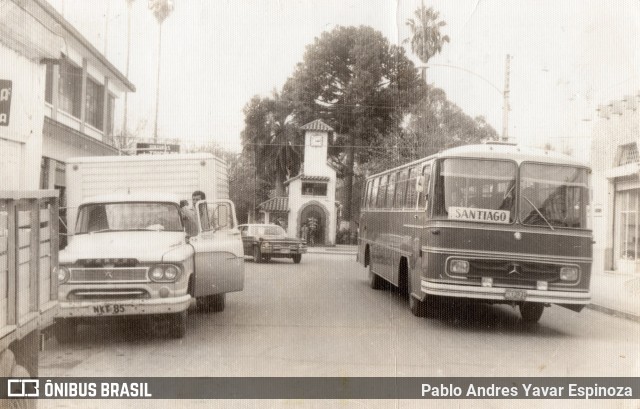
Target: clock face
[316,140]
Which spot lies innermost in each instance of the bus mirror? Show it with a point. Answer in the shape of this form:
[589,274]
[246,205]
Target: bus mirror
[420,183]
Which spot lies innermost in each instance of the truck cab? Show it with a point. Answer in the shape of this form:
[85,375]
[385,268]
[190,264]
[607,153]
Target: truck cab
[131,256]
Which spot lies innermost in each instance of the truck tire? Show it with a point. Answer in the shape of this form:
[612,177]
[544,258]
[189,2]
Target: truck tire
[179,324]
[297,258]
[65,330]
[212,303]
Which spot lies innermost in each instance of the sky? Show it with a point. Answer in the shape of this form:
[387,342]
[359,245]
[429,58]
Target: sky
[568,56]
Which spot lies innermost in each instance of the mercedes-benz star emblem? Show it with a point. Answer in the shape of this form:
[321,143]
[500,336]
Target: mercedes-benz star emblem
[108,274]
[514,269]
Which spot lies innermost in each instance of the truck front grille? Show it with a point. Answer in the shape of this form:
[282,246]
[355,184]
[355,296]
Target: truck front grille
[108,275]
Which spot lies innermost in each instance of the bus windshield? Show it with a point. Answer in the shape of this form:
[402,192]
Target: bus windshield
[475,190]
[553,195]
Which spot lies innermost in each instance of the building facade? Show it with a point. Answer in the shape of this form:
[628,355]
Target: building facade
[615,207]
[311,195]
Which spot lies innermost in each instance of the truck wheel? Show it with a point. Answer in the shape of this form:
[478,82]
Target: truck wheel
[257,254]
[179,324]
[531,311]
[297,258]
[65,330]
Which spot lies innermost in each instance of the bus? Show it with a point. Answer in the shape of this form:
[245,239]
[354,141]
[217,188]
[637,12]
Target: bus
[495,223]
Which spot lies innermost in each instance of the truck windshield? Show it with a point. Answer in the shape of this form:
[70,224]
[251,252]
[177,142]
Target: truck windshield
[553,195]
[475,190]
[102,217]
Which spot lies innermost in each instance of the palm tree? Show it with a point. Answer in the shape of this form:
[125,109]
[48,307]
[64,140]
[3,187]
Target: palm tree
[126,94]
[426,39]
[161,10]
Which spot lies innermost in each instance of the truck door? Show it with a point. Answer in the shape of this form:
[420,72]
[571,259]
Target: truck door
[219,257]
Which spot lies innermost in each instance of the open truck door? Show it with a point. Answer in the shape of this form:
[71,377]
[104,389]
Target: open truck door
[219,256]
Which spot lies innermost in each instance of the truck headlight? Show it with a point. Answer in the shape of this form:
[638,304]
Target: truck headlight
[459,266]
[63,274]
[568,273]
[164,273]
[171,272]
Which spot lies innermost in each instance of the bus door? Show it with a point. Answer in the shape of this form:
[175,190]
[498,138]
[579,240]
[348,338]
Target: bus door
[379,231]
[423,188]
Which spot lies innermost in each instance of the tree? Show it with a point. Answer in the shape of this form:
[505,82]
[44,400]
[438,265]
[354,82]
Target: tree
[437,123]
[161,10]
[426,39]
[353,79]
[271,137]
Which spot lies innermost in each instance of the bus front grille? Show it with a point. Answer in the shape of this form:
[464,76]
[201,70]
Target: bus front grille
[515,272]
[125,294]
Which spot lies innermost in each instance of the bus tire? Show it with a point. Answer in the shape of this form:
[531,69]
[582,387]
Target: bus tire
[216,302]
[257,254]
[375,281]
[297,258]
[417,307]
[531,311]
[65,330]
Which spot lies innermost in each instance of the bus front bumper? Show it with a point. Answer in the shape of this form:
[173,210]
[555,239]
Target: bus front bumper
[505,294]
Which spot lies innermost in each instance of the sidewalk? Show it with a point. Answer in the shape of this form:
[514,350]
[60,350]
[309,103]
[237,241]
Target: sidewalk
[337,249]
[616,294]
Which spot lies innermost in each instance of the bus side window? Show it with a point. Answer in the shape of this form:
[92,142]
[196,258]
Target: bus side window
[422,198]
[365,196]
[391,190]
[410,200]
[401,188]
[382,190]
[373,194]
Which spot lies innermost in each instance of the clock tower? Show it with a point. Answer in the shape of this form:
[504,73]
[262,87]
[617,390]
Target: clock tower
[315,152]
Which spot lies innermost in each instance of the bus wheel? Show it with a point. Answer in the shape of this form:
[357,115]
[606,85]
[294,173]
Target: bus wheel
[531,312]
[375,281]
[417,307]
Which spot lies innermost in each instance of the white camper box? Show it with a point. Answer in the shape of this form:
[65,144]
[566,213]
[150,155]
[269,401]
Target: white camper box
[178,174]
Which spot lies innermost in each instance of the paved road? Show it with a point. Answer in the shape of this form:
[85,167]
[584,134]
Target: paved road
[319,318]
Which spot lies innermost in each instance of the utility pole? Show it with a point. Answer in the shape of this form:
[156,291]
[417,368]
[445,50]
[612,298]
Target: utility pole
[505,106]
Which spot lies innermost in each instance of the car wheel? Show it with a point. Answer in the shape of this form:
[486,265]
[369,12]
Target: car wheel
[65,330]
[531,312]
[297,258]
[179,324]
[375,281]
[257,254]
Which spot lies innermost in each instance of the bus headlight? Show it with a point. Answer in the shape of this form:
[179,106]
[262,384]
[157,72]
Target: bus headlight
[569,273]
[459,266]
[63,274]
[170,273]
[164,273]
[157,273]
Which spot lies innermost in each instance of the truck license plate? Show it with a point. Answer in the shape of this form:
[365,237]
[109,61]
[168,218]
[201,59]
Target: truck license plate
[515,295]
[109,309]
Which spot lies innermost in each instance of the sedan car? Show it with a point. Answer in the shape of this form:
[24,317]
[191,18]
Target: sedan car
[266,241]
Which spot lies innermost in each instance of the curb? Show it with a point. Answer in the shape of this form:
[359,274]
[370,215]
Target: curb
[615,313]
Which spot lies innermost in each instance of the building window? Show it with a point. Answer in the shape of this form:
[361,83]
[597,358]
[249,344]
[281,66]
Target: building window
[70,88]
[48,87]
[94,104]
[110,107]
[629,154]
[627,212]
[314,189]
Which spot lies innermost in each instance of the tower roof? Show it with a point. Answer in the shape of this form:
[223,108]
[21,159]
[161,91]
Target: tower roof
[317,125]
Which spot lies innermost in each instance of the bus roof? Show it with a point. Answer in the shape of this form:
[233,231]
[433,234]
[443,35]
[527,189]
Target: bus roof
[497,151]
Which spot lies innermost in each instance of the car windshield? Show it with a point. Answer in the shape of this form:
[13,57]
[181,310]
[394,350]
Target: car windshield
[475,190]
[553,195]
[269,231]
[103,217]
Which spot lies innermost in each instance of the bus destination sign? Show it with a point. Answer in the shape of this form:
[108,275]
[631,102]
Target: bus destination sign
[479,215]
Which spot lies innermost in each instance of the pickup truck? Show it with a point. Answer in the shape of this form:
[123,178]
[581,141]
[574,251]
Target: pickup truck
[130,256]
